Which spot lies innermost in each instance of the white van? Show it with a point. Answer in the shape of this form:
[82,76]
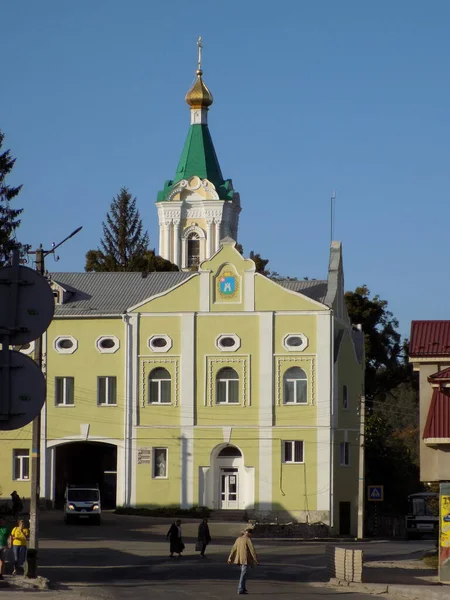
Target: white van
[82,502]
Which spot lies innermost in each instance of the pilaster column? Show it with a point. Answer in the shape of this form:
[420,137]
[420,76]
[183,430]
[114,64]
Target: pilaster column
[209,250]
[176,242]
[217,223]
[167,230]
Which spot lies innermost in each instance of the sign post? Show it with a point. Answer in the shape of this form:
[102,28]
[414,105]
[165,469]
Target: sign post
[375,493]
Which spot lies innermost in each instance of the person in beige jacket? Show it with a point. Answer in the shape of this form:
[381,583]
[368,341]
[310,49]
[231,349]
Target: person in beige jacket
[243,554]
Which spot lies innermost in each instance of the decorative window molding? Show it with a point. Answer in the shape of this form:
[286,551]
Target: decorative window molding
[293,452]
[172,365]
[228,342]
[241,364]
[160,343]
[295,342]
[159,386]
[295,389]
[107,344]
[25,348]
[65,344]
[282,364]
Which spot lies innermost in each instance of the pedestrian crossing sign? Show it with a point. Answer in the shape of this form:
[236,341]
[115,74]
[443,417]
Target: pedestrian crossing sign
[375,493]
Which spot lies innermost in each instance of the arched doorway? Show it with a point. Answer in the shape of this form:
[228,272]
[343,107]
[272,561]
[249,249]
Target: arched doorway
[86,463]
[227,483]
[229,460]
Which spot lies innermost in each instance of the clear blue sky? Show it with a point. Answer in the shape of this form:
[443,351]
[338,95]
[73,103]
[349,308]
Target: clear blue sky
[310,96]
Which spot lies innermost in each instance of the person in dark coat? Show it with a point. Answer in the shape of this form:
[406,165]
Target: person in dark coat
[174,535]
[17,505]
[203,537]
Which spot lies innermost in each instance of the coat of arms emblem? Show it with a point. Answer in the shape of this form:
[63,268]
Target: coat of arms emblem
[227,284]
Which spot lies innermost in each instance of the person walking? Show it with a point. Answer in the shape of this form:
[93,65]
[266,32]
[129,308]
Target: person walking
[19,536]
[17,505]
[5,532]
[175,538]
[243,553]
[203,537]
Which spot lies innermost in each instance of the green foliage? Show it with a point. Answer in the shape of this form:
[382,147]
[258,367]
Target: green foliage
[260,263]
[386,360]
[9,217]
[124,246]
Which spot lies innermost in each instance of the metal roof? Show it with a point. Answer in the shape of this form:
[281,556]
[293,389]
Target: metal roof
[429,338]
[111,293]
[438,419]
[443,375]
[316,289]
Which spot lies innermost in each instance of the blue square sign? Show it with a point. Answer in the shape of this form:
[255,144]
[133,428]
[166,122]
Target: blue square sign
[375,493]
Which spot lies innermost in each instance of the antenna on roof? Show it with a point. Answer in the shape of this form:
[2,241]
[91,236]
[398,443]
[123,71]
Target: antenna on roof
[333,198]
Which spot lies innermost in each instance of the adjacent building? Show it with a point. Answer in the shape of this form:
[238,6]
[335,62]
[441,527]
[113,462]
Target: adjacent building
[211,386]
[429,352]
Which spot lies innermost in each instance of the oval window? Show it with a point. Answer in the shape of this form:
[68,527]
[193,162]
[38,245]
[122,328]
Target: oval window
[107,343]
[159,342]
[65,344]
[294,340]
[227,342]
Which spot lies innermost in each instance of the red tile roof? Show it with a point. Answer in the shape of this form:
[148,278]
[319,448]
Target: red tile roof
[438,420]
[443,375]
[430,338]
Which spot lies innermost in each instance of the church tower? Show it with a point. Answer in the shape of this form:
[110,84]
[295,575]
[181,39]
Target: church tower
[198,207]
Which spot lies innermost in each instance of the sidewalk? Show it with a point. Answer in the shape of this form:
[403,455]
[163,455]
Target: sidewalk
[409,578]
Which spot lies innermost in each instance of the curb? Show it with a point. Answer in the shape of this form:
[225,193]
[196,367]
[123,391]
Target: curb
[412,592]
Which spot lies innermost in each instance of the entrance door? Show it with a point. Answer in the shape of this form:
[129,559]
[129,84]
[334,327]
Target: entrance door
[344,517]
[229,488]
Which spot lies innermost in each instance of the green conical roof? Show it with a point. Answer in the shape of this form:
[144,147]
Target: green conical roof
[199,157]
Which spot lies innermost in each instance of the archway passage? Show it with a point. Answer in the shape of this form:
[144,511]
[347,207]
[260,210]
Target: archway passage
[86,463]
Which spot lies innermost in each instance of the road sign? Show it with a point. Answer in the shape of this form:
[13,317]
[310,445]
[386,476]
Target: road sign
[375,493]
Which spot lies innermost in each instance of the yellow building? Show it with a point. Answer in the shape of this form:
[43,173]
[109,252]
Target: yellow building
[215,386]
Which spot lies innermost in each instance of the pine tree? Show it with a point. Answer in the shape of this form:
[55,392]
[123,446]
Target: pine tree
[124,246]
[9,220]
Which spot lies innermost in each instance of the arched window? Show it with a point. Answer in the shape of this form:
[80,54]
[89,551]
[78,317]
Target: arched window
[193,250]
[159,386]
[295,386]
[227,386]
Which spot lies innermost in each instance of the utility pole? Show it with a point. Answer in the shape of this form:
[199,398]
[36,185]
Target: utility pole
[362,442]
[36,436]
[36,430]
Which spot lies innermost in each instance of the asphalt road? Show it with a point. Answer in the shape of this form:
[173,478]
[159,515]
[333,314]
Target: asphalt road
[127,557]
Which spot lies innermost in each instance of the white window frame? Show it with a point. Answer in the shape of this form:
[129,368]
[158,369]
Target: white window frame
[165,348]
[294,381]
[227,388]
[159,381]
[344,450]
[236,346]
[345,403]
[60,350]
[108,379]
[20,456]
[303,345]
[113,349]
[154,475]
[292,445]
[64,403]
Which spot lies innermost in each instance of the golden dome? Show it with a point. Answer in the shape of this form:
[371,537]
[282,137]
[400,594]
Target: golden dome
[199,95]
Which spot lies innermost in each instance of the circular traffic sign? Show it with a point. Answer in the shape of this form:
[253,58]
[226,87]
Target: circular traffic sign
[26,390]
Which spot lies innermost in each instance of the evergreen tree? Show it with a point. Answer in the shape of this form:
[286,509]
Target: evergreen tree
[9,220]
[124,246]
